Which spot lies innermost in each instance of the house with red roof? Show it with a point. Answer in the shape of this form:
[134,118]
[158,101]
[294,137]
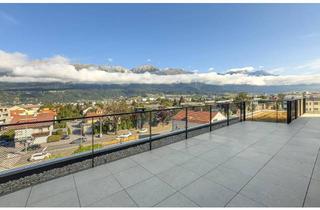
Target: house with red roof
[195,118]
[38,128]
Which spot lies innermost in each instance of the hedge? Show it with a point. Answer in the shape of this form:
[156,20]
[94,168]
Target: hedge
[53,138]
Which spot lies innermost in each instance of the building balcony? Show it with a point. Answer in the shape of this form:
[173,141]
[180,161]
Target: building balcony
[246,164]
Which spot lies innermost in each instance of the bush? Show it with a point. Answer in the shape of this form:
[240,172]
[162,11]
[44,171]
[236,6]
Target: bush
[55,156]
[54,138]
[33,147]
[68,131]
[87,148]
[8,135]
[62,124]
[59,132]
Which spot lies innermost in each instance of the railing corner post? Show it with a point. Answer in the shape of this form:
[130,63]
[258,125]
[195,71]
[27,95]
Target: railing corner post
[92,141]
[186,125]
[244,111]
[150,130]
[227,110]
[288,112]
[210,119]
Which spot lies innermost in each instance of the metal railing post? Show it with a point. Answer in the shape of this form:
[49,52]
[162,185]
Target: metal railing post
[186,125]
[252,110]
[277,117]
[288,112]
[295,109]
[210,120]
[227,111]
[241,112]
[150,129]
[92,142]
[244,111]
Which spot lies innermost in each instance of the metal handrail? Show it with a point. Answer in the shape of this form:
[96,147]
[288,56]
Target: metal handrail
[29,170]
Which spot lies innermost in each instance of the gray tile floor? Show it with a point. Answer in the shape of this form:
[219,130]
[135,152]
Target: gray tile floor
[246,164]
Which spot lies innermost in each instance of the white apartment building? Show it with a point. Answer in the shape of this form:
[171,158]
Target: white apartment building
[4,115]
[313,105]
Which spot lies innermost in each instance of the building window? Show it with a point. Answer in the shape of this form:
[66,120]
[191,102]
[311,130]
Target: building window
[315,109]
[315,103]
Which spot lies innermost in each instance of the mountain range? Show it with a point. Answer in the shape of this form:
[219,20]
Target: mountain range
[148,68]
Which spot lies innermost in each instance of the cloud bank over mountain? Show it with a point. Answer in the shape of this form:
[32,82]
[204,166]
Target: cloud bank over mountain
[18,67]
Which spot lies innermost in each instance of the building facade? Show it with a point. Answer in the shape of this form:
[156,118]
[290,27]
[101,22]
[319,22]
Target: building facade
[4,115]
[313,105]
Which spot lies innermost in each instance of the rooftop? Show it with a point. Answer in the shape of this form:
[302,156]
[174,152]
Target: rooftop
[244,164]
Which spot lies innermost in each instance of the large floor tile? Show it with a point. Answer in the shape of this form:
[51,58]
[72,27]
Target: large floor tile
[120,165]
[270,194]
[245,166]
[255,156]
[163,151]
[295,167]
[63,199]
[144,157]
[120,199]
[132,176]
[92,173]
[220,154]
[294,183]
[177,157]
[177,200]
[157,166]
[178,177]
[313,195]
[51,188]
[94,190]
[199,166]
[207,194]
[150,192]
[242,201]
[228,177]
[15,199]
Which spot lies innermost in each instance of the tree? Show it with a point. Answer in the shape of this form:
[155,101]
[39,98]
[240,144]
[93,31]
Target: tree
[281,96]
[115,107]
[181,100]
[175,103]
[242,96]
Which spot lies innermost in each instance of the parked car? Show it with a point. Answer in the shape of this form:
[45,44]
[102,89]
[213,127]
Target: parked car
[40,155]
[79,140]
[11,155]
[144,130]
[65,137]
[125,135]
[4,143]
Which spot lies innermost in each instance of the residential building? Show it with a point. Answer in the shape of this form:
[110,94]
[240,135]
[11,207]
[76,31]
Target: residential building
[195,118]
[4,115]
[313,105]
[36,133]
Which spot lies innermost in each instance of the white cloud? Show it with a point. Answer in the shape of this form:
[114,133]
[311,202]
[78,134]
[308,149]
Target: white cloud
[210,69]
[110,60]
[242,69]
[149,60]
[11,60]
[19,68]
[311,67]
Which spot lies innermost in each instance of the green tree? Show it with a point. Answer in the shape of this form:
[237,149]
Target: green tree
[181,100]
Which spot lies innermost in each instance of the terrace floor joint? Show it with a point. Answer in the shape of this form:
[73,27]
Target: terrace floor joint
[314,165]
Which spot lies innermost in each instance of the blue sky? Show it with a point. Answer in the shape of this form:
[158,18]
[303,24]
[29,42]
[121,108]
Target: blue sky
[191,36]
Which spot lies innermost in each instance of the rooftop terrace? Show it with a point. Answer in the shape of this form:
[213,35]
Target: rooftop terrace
[245,164]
